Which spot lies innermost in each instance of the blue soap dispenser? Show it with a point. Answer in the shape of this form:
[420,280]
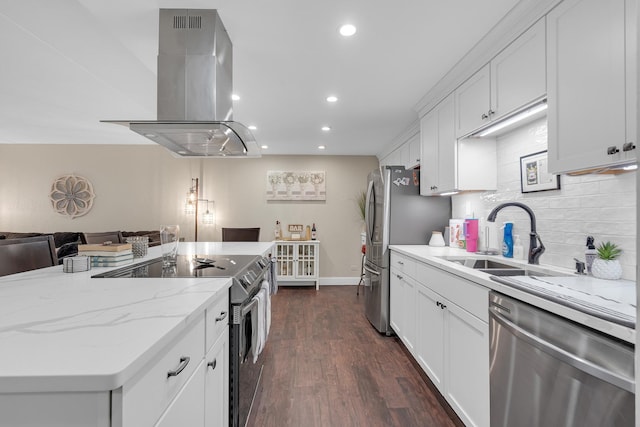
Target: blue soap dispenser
[507,241]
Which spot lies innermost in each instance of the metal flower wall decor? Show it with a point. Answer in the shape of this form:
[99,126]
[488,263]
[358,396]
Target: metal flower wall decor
[71,195]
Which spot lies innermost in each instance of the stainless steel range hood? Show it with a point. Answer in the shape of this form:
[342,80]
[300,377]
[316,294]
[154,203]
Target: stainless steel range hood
[195,117]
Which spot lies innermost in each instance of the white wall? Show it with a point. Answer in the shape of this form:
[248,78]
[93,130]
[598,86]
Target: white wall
[142,187]
[600,205]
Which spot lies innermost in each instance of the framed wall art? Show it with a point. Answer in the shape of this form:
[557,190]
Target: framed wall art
[534,175]
[296,185]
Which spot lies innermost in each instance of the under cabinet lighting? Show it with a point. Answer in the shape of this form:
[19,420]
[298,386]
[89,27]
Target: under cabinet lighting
[326,128]
[264,147]
[450,193]
[252,127]
[321,147]
[515,118]
[235,97]
[630,167]
[332,98]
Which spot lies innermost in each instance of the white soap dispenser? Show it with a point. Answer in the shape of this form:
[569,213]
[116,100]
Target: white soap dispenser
[518,249]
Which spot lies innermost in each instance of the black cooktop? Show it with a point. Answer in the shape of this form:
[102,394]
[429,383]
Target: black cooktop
[186,266]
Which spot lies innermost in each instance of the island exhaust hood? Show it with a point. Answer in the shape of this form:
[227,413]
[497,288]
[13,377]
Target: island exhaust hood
[195,117]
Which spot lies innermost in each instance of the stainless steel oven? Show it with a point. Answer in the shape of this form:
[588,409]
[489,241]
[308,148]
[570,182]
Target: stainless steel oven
[548,371]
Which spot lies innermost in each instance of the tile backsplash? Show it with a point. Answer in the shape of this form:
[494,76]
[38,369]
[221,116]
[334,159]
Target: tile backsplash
[603,206]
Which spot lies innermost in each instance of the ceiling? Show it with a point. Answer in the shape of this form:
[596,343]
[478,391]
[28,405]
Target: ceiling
[66,65]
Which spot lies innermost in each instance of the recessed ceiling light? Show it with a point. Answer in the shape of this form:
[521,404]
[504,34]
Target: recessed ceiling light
[321,147]
[252,127]
[348,30]
[264,147]
[326,128]
[235,97]
[332,98]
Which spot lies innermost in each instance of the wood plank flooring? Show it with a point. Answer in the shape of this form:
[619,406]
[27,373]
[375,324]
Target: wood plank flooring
[325,365]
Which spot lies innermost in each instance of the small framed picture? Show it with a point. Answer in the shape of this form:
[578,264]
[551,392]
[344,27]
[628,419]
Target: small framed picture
[534,175]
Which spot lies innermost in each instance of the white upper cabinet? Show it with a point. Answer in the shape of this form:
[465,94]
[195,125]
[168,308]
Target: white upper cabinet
[449,165]
[513,79]
[518,73]
[438,150]
[413,153]
[591,76]
[473,102]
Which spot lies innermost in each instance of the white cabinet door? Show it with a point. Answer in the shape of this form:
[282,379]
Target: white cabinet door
[429,153]
[409,313]
[438,150]
[412,153]
[402,307]
[286,255]
[447,147]
[518,73]
[216,391]
[187,409]
[396,299]
[467,365]
[473,103]
[430,334]
[591,95]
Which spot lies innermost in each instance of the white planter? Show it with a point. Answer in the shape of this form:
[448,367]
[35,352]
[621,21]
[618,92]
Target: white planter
[604,269]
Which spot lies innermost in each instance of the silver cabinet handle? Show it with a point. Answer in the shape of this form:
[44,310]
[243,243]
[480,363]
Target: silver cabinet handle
[628,146]
[213,364]
[484,116]
[223,315]
[184,361]
[563,355]
[371,271]
[400,262]
[399,276]
[612,150]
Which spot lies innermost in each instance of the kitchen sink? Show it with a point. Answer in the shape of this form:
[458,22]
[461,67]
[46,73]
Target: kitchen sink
[481,264]
[512,271]
[497,268]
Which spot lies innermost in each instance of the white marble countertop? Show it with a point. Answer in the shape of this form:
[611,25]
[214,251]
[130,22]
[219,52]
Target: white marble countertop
[68,332]
[624,290]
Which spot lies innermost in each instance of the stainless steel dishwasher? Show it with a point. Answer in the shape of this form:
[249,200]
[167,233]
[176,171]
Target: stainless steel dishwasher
[546,370]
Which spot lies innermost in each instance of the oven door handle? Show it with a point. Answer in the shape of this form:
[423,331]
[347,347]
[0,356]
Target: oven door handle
[563,355]
[248,307]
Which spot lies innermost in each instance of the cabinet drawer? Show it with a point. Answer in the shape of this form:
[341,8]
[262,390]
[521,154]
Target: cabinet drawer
[469,296]
[403,264]
[148,395]
[217,318]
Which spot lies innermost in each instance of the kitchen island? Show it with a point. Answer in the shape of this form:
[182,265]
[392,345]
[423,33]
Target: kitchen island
[73,347]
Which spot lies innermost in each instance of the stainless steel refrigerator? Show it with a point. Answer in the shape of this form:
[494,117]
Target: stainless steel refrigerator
[395,214]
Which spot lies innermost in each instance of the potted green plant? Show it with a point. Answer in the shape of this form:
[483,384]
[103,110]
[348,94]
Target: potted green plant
[607,265]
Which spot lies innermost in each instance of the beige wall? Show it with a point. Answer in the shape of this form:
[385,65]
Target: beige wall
[141,187]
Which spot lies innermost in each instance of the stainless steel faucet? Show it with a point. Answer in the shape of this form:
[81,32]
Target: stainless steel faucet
[534,250]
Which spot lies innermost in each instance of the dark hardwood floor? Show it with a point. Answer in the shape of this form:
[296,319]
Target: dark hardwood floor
[325,365]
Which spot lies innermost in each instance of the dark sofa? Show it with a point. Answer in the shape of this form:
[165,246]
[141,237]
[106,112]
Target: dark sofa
[67,241]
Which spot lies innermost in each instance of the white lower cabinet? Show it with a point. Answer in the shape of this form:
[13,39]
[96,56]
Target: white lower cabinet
[430,326]
[187,409]
[216,385]
[466,365]
[443,322]
[403,298]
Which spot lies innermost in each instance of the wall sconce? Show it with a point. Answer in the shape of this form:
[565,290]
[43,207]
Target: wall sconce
[191,206]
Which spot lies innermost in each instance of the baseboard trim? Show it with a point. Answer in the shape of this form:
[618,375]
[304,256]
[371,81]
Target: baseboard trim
[333,281]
